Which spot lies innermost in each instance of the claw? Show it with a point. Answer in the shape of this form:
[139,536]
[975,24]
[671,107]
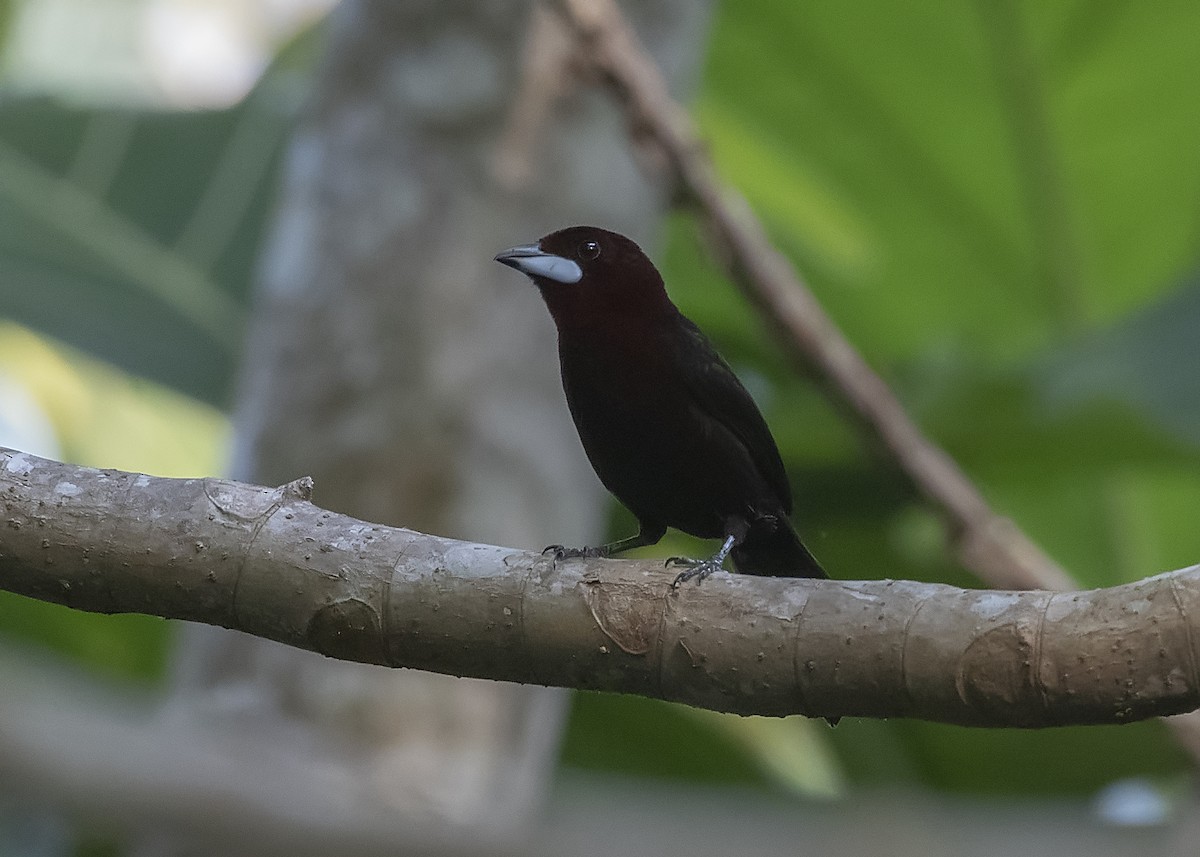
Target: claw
[699,569]
[561,552]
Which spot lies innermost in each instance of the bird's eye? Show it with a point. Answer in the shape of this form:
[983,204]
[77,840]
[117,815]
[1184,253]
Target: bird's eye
[589,250]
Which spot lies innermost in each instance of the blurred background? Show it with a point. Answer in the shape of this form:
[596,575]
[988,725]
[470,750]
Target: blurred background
[255,238]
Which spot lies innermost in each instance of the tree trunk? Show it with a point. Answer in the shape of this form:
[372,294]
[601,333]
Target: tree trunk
[394,362]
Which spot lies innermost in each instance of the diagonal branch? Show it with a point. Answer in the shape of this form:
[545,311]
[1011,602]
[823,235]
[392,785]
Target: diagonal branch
[988,544]
[269,562]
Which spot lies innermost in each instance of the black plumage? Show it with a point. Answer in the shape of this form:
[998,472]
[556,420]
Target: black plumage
[667,425]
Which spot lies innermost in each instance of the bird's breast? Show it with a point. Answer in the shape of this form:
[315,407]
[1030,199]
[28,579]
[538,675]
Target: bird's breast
[643,433]
[618,380]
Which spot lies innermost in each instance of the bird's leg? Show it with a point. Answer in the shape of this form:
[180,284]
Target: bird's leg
[701,568]
[647,534]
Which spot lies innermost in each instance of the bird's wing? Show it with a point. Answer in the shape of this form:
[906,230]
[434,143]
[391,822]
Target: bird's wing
[718,393]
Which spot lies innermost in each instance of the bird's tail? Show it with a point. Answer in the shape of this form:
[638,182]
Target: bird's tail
[771,548]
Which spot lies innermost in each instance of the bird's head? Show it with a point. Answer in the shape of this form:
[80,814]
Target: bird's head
[585,273]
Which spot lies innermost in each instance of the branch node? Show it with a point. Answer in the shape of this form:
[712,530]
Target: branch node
[298,489]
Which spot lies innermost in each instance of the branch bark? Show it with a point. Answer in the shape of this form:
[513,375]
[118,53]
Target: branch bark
[270,563]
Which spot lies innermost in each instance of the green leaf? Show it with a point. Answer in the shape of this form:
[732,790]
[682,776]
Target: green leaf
[132,234]
[1078,760]
[646,737]
[1146,363]
[130,646]
[987,198]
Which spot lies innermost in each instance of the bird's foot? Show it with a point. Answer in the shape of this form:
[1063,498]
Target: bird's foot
[695,568]
[560,552]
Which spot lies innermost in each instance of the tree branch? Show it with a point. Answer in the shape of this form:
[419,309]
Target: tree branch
[270,563]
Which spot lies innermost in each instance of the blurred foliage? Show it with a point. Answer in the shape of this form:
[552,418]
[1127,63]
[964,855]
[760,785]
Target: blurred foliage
[996,201]
[128,646]
[158,214]
[646,737]
[103,417]
[131,234]
[999,204]
[6,19]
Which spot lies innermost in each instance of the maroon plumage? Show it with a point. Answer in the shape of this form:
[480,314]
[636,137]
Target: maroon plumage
[664,421]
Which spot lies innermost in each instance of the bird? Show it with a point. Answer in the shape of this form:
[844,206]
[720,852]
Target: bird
[666,424]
